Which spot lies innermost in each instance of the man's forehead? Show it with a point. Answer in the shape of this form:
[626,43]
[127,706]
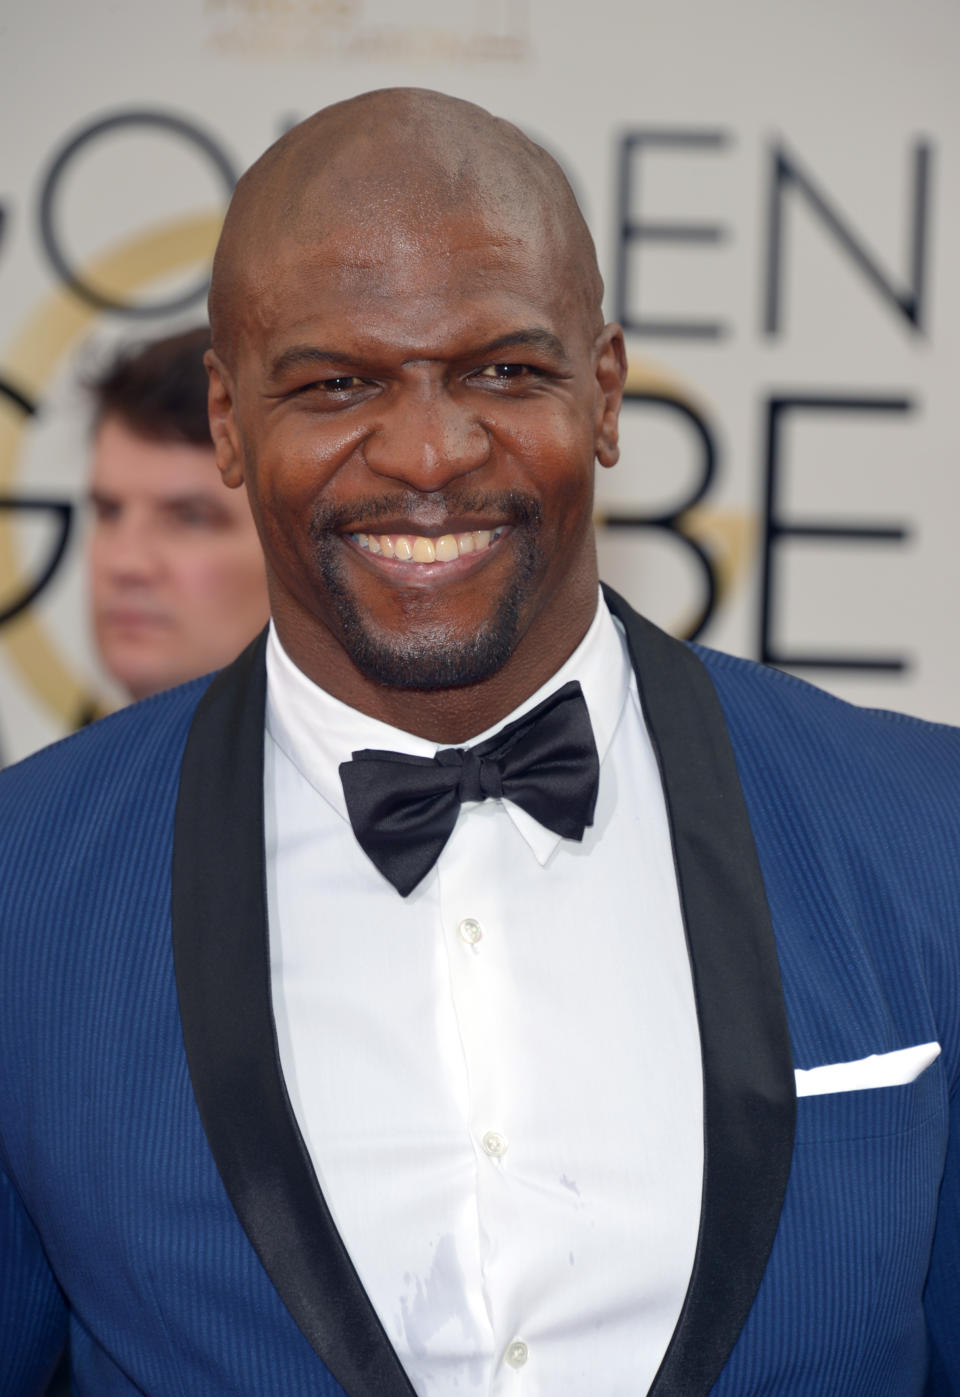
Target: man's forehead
[416,307]
[398,255]
[454,282]
[128,461]
[395,228]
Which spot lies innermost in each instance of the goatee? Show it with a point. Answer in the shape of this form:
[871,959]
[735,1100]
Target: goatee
[430,655]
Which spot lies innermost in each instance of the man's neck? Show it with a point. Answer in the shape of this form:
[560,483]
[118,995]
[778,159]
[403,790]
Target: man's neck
[451,715]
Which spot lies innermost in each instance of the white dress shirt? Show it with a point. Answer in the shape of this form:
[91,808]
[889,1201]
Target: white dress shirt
[498,1077]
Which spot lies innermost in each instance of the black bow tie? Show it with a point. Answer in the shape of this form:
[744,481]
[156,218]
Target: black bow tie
[403,809]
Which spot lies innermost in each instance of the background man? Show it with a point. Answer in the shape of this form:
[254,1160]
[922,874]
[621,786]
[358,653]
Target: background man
[176,572]
[424,1004]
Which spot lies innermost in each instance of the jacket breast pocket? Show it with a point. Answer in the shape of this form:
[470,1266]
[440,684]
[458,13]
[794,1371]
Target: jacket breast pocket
[873,1111]
[840,1308]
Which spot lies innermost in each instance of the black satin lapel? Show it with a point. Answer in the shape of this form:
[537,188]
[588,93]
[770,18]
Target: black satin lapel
[749,1095]
[222,965]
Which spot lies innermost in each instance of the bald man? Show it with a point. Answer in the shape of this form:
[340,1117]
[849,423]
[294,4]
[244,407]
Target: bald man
[471,989]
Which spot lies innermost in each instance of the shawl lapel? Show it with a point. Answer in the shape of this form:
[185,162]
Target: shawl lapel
[749,1098]
[222,965]
[222,962]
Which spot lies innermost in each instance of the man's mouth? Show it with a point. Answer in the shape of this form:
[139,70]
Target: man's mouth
[419,548]
[132,618]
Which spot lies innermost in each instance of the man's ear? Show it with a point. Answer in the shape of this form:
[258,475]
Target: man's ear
[611,373]
[223,422]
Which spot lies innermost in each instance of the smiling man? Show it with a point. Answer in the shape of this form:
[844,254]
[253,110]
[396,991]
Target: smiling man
[471,988]
[420,388]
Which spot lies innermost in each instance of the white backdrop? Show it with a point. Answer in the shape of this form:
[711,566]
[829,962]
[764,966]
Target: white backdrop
[773,190]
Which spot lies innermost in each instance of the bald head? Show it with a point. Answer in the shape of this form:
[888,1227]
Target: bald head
[396,162]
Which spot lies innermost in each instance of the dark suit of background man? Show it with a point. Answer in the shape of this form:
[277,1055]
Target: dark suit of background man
[609,1045]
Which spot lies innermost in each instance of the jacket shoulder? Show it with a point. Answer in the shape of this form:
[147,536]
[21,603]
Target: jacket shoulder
[764,705]
[862,800]
[91,776]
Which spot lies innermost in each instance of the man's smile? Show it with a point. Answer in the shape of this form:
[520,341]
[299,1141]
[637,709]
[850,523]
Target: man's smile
[423,549]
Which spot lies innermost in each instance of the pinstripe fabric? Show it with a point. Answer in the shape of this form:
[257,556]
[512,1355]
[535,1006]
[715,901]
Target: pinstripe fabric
[99,1128]
[855,817]
[856,820]
[32,1324]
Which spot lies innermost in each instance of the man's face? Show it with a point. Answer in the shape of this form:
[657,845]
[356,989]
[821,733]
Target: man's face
[416,416]
[176,570]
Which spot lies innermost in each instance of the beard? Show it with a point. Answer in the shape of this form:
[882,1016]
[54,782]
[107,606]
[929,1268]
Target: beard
[430,654]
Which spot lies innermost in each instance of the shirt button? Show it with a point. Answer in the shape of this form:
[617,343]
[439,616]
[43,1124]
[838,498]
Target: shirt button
[495,1144]
[471,931]
[517,1353]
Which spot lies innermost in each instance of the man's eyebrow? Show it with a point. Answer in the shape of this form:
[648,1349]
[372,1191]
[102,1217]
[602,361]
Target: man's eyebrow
[198,497]
[300,354]
[96,497]
[543,340]
[190,500]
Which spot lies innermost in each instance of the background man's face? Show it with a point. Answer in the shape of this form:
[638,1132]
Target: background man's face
[432,394]
[176,571]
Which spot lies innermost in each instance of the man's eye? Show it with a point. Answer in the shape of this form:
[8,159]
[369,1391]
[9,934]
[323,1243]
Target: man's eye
[502,371]
[338,385]
[196,516]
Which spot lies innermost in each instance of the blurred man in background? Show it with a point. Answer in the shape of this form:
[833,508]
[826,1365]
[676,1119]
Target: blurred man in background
[176,573]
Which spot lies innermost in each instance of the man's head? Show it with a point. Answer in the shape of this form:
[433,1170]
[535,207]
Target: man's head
[176,570]
[409,356]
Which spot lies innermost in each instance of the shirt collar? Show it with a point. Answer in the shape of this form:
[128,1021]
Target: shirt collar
[317,732]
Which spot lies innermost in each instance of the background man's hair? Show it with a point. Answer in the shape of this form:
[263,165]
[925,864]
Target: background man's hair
[157,389]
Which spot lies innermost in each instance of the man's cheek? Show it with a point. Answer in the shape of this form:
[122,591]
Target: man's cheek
[202,580]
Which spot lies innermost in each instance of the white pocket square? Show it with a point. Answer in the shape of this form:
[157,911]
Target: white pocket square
[878,1070]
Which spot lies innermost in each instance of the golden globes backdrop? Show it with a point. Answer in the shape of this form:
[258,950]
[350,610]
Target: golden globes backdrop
[773,189]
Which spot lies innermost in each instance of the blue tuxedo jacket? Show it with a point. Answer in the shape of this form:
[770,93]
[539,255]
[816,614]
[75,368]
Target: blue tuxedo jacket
[157,1197]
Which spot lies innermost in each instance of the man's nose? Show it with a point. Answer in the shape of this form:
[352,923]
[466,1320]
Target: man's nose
[427,438]
[129,551]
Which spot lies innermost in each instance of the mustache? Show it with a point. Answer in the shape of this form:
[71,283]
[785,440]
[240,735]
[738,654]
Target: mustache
[508,506]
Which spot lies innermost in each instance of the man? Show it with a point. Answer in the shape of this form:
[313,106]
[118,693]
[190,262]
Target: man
[494,1089]
[176,573]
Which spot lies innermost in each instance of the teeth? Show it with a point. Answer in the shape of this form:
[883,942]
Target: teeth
[446,549]
[417,548]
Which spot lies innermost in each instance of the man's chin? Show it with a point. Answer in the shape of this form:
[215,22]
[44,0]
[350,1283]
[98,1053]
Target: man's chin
[430,662]
[145,686]
[433,641]
[139,679]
